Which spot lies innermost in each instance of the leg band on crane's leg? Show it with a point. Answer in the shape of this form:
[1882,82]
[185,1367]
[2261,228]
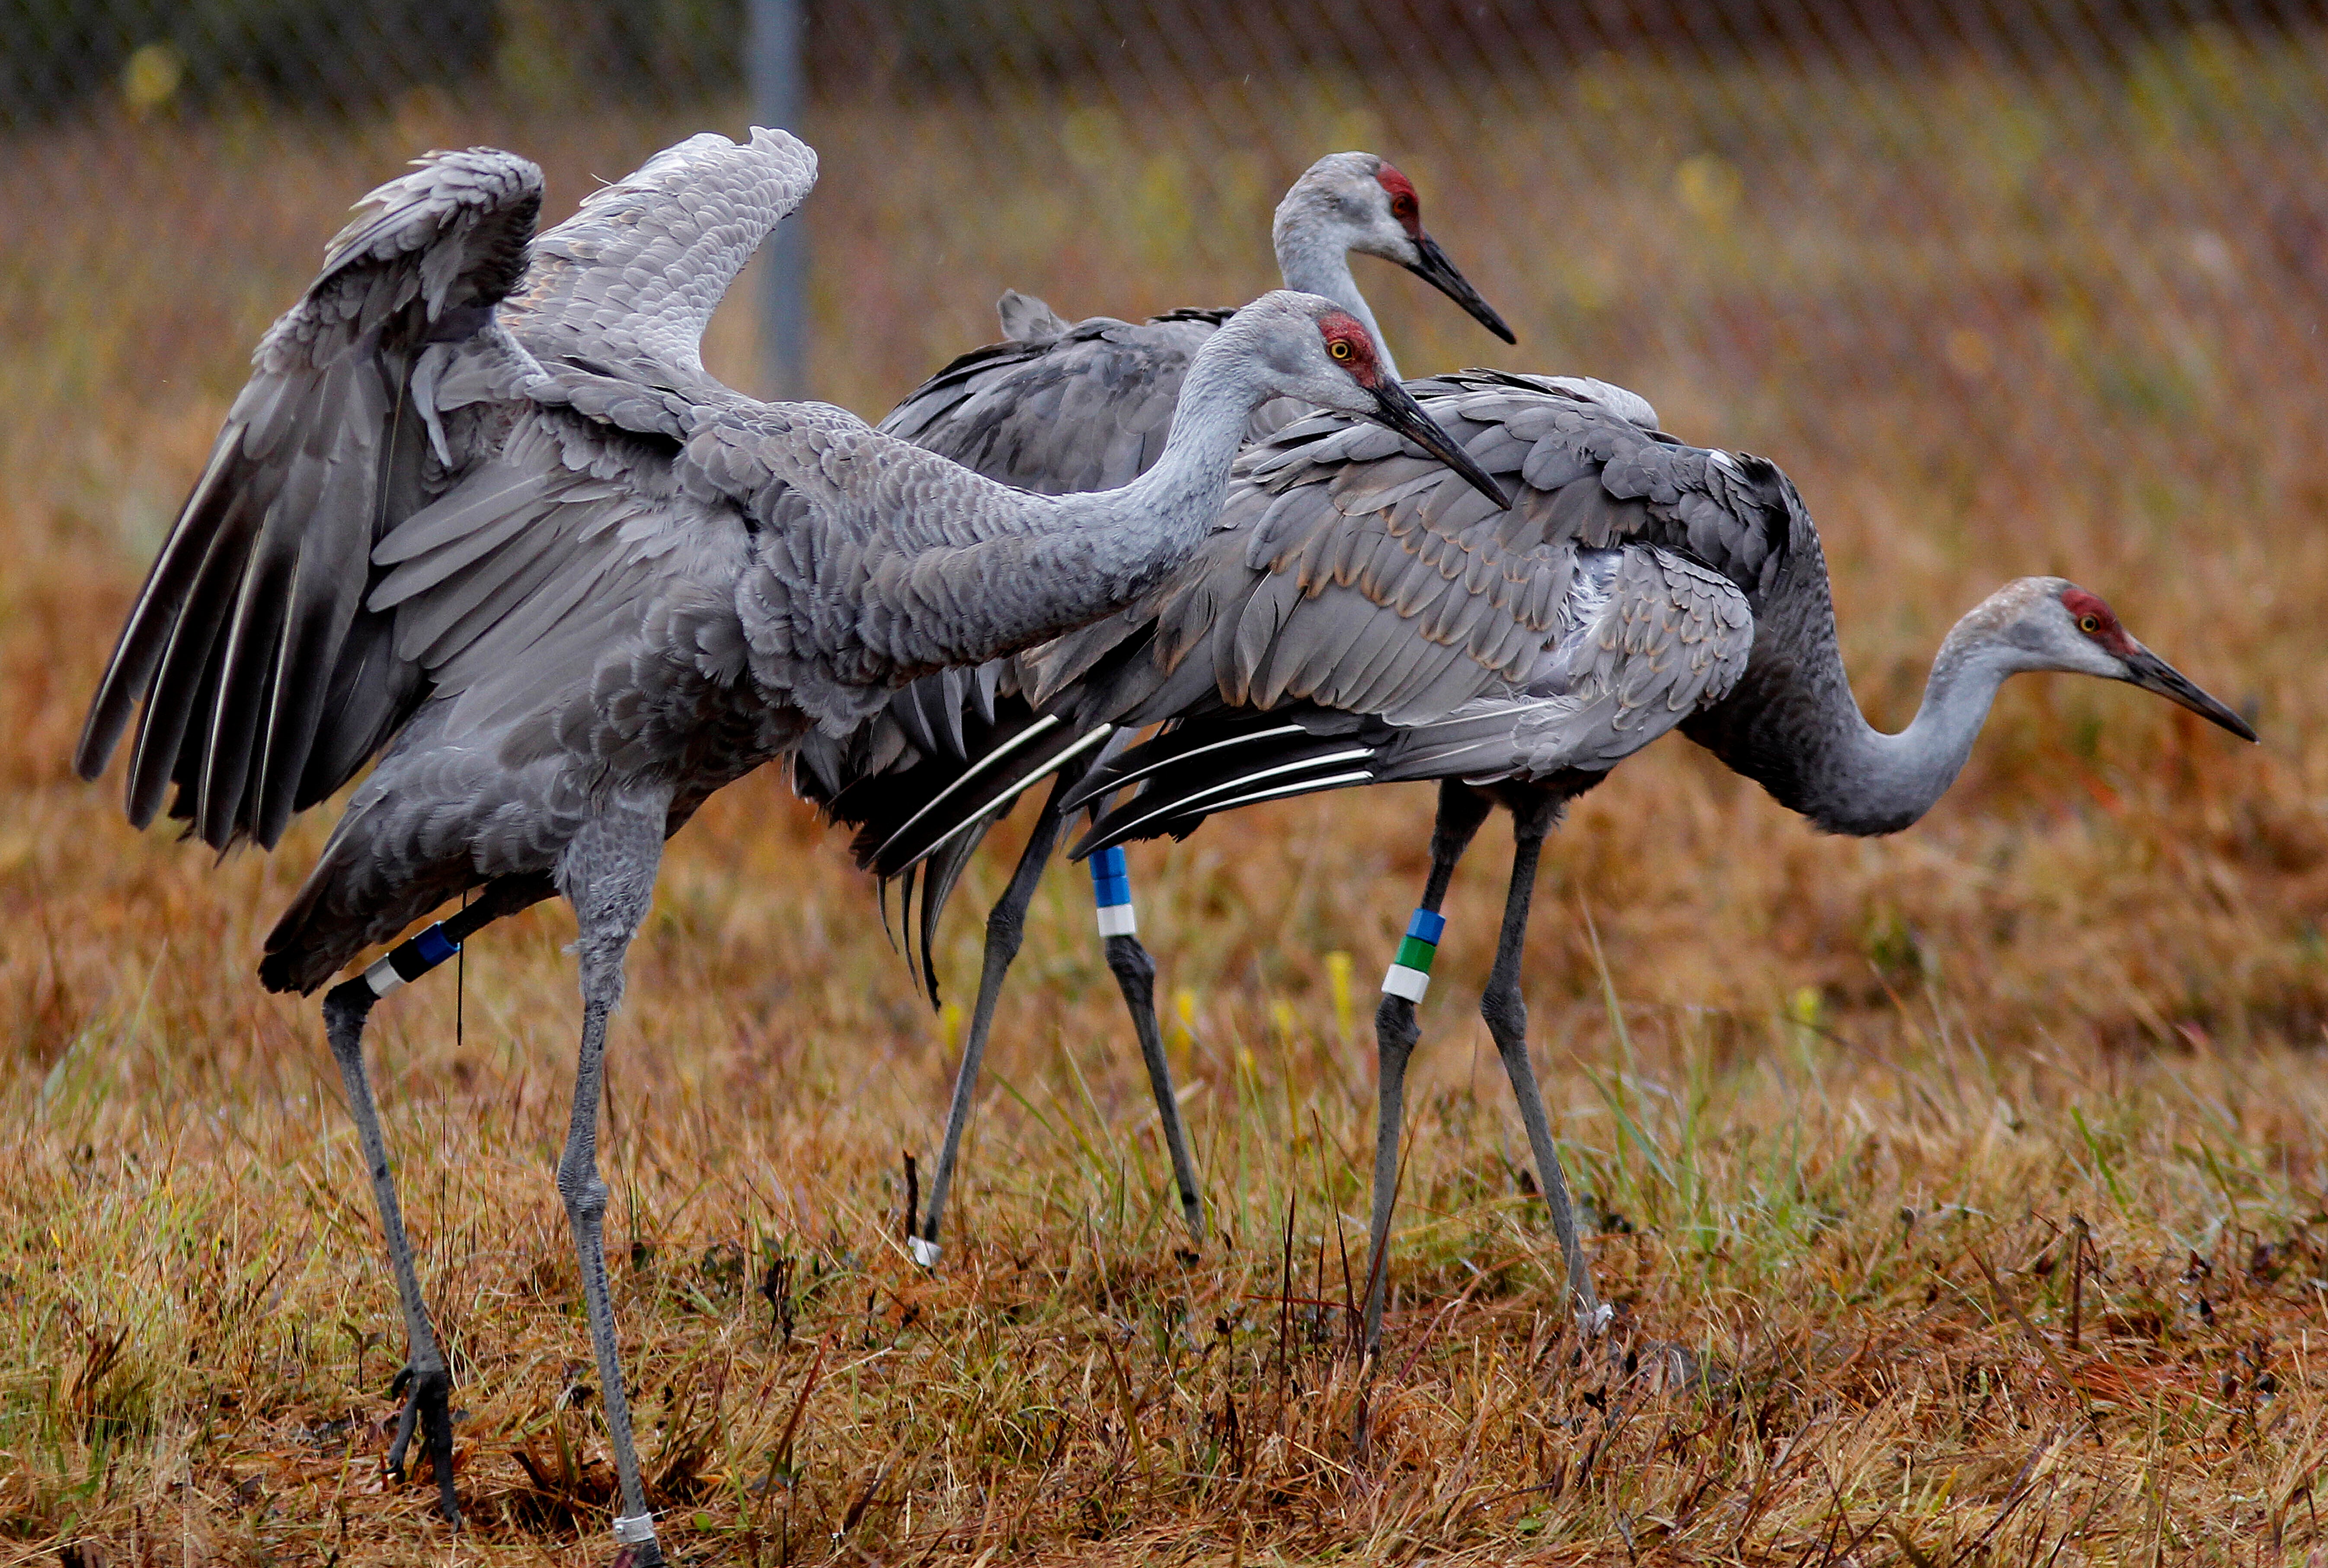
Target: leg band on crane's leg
[408,960]
[1111,889]
[1409,975]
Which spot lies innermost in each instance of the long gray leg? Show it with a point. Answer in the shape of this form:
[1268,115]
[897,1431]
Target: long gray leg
[607,873]
[1006,927]
[425,1382]
[1135,977]
[1506,1012]
[1461,809]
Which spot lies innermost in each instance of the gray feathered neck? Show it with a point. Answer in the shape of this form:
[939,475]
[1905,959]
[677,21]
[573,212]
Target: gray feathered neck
[1313,247]
[1792,725]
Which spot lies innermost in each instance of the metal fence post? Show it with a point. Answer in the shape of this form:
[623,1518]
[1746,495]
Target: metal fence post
[779,91]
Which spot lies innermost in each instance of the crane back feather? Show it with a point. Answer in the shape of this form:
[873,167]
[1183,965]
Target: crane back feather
[1354,619]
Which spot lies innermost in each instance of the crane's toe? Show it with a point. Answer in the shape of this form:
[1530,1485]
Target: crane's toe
[427,1407]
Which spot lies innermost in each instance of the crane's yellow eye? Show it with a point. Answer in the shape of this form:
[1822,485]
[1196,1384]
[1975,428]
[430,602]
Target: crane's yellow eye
[1339,348]
[2090,624]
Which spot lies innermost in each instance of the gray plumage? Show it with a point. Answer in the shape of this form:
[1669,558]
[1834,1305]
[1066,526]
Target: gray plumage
[1346,576]
[546,547]
[1354,619]
[481,513]
[1083,407]
[1062,407]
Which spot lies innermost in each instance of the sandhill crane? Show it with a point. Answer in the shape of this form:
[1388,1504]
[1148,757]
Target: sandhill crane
[564,585]
[1356,618]
[1063,408]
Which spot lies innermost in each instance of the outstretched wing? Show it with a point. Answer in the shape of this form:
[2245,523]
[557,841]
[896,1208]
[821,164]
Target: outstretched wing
[264,683]
[406,501]
[614,304]
[575,593]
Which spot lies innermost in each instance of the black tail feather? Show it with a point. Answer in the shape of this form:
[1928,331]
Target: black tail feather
[1197,768]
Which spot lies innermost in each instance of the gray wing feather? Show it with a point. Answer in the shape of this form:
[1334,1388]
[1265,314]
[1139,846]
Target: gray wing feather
[631,279]
[1414,597]
[1025,318]
[1669,638]
[1352,583]
[1087,409]
[237,642]
[391,410]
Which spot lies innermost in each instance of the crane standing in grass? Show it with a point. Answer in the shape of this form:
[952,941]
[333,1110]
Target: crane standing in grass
[1357,618]
[1063,407]
[563,585]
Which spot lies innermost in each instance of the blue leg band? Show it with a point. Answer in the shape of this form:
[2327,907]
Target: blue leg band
[1112,890]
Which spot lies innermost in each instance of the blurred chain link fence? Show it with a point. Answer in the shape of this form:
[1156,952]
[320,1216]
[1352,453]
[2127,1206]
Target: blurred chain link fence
[1973,233]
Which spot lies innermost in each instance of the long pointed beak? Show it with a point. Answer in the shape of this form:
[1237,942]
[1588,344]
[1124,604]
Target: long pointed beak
[2152,673]
[1396,409]
[1435,269]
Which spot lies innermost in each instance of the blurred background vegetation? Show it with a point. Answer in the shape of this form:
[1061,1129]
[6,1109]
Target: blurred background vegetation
[318,53]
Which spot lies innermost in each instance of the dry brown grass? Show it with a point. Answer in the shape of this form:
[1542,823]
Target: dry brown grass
[1845,1106]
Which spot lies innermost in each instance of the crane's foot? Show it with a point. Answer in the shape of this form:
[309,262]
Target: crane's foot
[427,1405]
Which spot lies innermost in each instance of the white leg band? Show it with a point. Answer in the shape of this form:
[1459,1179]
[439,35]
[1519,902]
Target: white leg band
[382,978]
[1403,982]
[1118,920]
[924,1252]
[634,1529]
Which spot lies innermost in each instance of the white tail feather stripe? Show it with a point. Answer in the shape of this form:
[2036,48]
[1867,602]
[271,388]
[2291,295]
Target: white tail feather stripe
[1298,787]
[1120,780]
[1013,793]
[1181,805]
[1042,726]
[1304,786]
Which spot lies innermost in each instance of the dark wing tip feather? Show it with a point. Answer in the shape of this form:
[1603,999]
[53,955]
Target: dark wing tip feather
[1192,770]
[940,873]
[233,644]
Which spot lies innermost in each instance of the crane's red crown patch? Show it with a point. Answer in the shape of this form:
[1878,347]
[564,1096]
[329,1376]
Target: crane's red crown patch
[1347,340]
[2106,631]
[1404,204]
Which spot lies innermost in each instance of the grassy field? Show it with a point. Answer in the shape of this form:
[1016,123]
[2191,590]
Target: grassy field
[1964,1194]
